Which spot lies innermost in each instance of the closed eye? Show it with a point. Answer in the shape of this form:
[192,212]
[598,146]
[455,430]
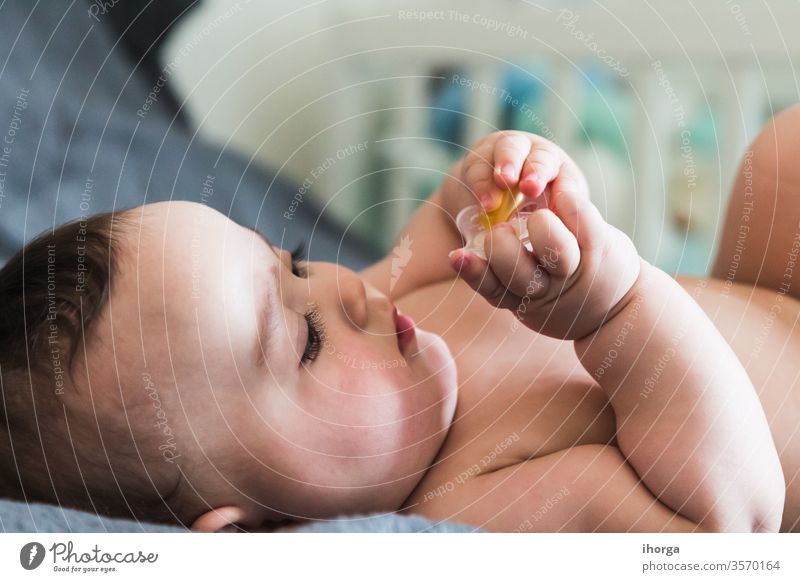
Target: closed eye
[316,334]
[315,326]
[315,337]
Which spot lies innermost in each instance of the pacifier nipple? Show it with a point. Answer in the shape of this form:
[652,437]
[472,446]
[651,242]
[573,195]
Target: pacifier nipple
[472,231]
[474,224]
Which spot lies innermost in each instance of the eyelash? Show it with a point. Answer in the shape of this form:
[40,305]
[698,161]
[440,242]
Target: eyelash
[313,317]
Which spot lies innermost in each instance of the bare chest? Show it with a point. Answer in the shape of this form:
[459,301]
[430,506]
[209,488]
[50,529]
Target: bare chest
[521,395]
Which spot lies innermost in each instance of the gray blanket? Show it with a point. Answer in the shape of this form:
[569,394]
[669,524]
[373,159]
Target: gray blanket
[87,125]
[37,517]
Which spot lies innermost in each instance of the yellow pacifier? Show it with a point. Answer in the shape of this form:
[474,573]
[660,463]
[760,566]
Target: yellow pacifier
[473,222]
[511,200]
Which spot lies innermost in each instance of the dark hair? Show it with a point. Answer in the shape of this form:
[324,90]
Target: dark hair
[52,293]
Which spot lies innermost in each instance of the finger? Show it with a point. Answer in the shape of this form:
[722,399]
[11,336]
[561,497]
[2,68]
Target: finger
[554,246]
[478,175]
[579,215]
[477,274]
[570,178]
[540,168]
[510,152]
[516,268]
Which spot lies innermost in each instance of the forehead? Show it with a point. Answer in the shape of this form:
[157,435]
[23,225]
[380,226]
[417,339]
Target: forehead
[181,239]
[183,262]
[185,300]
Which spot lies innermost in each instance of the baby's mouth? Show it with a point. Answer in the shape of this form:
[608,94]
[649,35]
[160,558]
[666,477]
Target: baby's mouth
[405,329]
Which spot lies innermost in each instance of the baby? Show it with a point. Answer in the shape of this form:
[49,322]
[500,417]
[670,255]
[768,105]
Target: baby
[168,364]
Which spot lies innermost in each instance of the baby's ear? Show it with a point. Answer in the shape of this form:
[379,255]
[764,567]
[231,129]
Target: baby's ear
[220,520]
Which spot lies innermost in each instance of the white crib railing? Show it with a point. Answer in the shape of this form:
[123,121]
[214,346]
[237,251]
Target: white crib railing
[289,85]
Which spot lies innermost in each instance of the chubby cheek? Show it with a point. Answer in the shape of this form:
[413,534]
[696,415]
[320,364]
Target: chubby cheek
[407,416]
[365,368]
[363,402]
[353,396]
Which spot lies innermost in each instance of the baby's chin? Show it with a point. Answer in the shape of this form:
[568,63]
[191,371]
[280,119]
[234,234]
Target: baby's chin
[435,358]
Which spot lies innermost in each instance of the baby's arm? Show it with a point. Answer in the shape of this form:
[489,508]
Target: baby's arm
[419,253]
[689,421]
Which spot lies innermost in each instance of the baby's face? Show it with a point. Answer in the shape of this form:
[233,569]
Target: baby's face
[264,411]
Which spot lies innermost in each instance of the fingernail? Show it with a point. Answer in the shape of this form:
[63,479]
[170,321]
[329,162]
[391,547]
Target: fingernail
[507,171]
[461,262]
[488,202]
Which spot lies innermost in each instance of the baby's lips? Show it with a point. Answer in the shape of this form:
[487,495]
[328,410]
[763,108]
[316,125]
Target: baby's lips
[405,330]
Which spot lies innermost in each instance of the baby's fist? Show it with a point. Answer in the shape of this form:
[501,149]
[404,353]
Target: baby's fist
[578,272]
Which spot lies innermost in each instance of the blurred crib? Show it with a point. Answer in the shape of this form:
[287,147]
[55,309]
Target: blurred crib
[365,105]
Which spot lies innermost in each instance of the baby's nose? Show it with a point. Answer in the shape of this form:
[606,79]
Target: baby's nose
[353,297]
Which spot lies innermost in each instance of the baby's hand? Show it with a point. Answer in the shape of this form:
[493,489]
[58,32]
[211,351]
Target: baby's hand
[507,159]
[580,268]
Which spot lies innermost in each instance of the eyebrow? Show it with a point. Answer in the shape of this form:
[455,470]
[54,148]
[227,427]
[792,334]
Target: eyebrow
[266,324]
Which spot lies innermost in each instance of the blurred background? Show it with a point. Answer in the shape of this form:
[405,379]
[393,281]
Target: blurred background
[364,105]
